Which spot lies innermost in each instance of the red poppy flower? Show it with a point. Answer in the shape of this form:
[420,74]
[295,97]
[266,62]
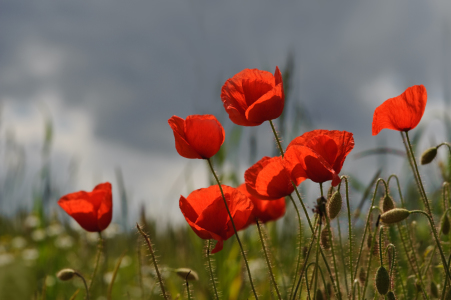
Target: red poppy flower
[92,210]
[252,97]
[264,210]
[199,136]
[205,212]
[318,155]
[401,113]
[267,179]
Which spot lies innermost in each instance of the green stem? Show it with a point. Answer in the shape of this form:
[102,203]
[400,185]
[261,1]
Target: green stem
[320,272]
[298,264]
[316,260]
[84,282]
[342,256]
[437,241]
[349,226]
[369,261]
[187,285]
[98,254]
[305,212]
[152,254]
[268,263]
[381,230]
[234,229]
[210,268]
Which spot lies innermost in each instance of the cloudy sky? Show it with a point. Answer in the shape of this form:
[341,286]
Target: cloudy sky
[111,73]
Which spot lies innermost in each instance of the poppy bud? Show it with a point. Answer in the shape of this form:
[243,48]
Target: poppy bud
[445,225]
[187,274]
[388,203]
[428,155]
[325,235]
[391,296]
[334,205]
[319,295]
[382,281]
[434,289]
[65,274]
[395,215]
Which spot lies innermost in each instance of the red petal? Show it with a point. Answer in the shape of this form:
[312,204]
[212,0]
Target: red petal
[267,107]
[268,179]
[204,134]
[183,147]
[401,113]
[264,210]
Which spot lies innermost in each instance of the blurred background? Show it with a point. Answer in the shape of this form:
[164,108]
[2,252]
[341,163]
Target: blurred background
[86,89]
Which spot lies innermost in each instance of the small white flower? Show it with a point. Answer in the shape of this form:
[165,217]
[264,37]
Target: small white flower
[32,221]
[18,242]
[30,254]
[38,235]
[55,229]
[64,242]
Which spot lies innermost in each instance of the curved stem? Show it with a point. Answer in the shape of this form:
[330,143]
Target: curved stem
[353,290]
[84,282]
[391,246]
[279,145]
[268,263]
[234,229]
[437,241]
[369,260]
[320,272]
[298,264]
[210,268]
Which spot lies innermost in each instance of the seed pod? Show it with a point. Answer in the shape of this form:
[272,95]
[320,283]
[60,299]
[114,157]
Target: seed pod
[319,295]
[388,203]
[382,281]
[391,296]
[65,274]
[445,225]
[362,275]
[428,155]
[334,205]
[187,274]
[395,215]
[325,234]
[434,289]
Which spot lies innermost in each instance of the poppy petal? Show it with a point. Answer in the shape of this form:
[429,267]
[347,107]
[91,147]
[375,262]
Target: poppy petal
[268,179]
[401,113]
[267,107]
[205,134]
[183,147]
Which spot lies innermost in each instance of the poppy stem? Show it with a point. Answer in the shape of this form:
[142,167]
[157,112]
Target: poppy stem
[98,255]
[351,244]
[298,264]
[149,245]
[273,279]
[445,264]
[187,285]
[279,145]
[234,229]
[305,211]
[370,254]
[210,268]
[342,255]
[84,282]
[330,240]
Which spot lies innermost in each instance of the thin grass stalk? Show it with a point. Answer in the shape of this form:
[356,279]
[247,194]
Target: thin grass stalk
[75,295]
[84,283]
[140,274]
[367,224]
[342,255]
[44,289]
[152,254]
[354,289]
[306,213]
[316,259]
[187,285]
[116,269]
[298,263]
[446,280]
[210,268]
[98,255]
[315,232]
[268,263]
[234,229]
[370,259]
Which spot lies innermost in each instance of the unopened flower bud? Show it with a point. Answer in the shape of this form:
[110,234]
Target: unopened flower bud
[395,215]
[382,281]
[388,203]
[391,296]
[445,225]
[187,274]
[65,274]
[334,205]
[428,155]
